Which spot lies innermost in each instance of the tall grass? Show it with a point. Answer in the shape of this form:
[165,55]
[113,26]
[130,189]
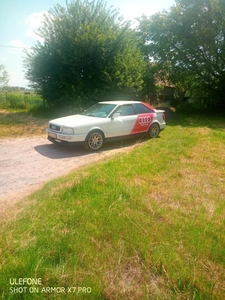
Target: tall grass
[20,100]
[17,115]
[148,224]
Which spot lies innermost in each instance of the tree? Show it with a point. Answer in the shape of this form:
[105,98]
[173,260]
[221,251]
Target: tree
[188,43]
[88,53]
[4,76]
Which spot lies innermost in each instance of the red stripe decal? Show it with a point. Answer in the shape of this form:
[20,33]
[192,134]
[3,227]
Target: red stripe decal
[142,123]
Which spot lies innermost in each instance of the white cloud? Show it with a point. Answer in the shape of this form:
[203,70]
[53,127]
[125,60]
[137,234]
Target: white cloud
[33,22]
[18,46]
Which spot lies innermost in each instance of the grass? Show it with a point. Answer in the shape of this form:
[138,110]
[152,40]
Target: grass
[17,116]
[148,224]
[18,123]
[30,120]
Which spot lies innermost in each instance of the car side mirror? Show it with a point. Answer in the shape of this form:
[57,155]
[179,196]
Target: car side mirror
[115,115]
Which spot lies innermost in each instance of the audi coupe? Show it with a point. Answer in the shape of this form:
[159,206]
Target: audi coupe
[108,120]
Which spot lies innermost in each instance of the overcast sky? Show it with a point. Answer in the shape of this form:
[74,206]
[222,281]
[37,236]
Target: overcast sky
[19,19]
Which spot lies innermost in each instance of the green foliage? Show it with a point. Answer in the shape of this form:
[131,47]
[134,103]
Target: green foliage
[4,76]
[21,101]
[149,89]
[15,100]
[190,108]
[88,53]
[187,42]
[2,97]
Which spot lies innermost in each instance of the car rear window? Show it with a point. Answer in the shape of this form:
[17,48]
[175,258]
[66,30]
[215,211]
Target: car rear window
[142,109]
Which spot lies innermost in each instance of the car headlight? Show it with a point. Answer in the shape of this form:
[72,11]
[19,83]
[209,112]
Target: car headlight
[67,130]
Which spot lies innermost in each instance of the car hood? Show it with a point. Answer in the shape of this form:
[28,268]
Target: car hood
[75,120]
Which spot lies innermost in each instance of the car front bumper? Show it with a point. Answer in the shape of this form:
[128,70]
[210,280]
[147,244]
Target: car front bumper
[65,137]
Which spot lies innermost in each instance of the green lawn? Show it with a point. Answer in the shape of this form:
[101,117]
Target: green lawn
[147,224]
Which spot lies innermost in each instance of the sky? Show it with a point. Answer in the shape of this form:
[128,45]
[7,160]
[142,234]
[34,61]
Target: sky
[20,18]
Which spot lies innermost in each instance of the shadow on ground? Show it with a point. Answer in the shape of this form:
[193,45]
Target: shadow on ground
[58,151]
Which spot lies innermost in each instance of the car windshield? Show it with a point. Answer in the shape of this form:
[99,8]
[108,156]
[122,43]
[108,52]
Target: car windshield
[99,110]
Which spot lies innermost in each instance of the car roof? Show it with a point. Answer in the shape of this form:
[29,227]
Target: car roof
[121,102]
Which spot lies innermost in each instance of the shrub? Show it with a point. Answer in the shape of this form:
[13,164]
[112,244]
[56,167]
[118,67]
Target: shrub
[2,97]
[190,107]
[32,100]
[21,101]
[16,100]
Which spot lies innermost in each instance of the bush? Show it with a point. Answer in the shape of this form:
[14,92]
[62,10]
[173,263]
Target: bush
[21,101]
[33,100]
[2,97]
[16,100]
[189,107]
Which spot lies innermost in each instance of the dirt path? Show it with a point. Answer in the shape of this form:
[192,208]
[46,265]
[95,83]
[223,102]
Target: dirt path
[27,163]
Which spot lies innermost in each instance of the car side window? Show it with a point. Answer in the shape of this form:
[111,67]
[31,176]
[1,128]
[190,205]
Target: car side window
[125,110]
[142,109]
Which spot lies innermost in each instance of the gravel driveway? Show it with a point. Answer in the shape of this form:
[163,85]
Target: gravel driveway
[27,163]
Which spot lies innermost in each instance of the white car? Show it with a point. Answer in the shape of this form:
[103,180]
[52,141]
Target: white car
[105,121]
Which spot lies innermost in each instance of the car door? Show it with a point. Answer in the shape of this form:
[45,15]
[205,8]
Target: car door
[145,116]
[122,121]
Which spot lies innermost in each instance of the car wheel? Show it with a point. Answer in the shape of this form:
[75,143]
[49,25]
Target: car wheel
[154,130]
[94,140]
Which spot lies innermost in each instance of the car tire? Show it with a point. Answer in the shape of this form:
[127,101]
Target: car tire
[94,140]
[154,130]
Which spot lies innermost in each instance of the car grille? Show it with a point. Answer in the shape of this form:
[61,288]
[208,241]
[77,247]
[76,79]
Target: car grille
[55,127]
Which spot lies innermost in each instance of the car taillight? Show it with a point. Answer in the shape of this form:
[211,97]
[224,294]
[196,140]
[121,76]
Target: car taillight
[164,117]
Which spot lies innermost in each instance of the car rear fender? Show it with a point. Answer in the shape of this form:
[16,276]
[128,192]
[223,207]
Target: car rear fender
[160,114]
